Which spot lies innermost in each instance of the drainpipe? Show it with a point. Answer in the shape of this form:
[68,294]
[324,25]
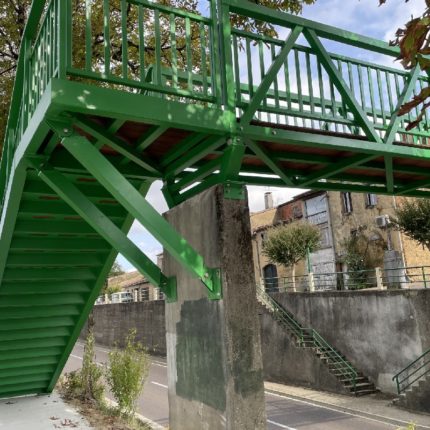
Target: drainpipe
[402,252]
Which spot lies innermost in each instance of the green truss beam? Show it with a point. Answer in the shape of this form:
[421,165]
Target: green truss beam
[265,156]
[334,169]
[403,98]
[347,96]
[101,135]
[261,92]
[106,228]
[137,206]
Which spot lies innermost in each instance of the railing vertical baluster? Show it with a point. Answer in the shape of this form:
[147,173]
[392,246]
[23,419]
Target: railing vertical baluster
[397,88]
[344,111]
[106,35]
[88,35]
[390,96]
[262,71]
[204,68]
[173,49]
[287,83]
[249,68]
[333,104]
[361,85]
[236,70]
[381,97]
[157,31]
[275,82]
[310,86]
[371,94]
[424,277]
[321,87]
[420,83]
[189,53]
[299,80]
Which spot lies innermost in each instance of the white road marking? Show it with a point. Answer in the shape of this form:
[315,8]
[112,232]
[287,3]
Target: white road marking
[280,425]
[80,358]
[158,363]
[341,411]
[157,383]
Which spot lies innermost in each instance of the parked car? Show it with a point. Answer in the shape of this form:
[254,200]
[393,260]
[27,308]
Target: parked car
[122,297]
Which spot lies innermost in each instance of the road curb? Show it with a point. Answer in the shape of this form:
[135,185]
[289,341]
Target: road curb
[358,413]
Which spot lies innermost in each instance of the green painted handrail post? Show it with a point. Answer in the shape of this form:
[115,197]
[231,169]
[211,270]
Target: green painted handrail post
[226,60]
[424,276]
[64,37]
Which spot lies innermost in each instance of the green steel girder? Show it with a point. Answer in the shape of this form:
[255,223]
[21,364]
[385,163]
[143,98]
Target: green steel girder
[105,227]
[138,207]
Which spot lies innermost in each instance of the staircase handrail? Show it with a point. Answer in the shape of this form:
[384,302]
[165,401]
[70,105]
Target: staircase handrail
[317,340]
[400,387]
[296,328]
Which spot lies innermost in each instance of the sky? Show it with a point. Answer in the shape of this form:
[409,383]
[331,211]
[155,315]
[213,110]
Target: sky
[361,16]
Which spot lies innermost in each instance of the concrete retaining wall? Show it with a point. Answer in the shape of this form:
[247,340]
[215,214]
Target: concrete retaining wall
[379,331]
[113,322]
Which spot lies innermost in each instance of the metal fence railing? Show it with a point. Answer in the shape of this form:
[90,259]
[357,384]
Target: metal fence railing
[389,278]
[413,372]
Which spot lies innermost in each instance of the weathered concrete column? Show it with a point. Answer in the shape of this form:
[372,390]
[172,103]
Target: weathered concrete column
[215,368]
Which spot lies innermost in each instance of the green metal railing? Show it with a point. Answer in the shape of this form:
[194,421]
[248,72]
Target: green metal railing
[310,337]
[413,372]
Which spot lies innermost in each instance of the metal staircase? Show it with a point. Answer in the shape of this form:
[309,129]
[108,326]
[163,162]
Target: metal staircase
[206,102]
[413,384]
[337,364]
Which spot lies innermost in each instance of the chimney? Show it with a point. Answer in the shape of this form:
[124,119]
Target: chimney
[268,200]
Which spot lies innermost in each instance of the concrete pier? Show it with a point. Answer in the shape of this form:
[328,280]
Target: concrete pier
[213,347]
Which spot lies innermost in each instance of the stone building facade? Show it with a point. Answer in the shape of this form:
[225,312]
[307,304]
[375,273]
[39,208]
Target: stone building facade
[339,216]
[136,284]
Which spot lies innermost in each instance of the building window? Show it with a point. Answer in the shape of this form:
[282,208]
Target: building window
[270,273]
[144,294]
[346,203]
[263,237]
[371,200]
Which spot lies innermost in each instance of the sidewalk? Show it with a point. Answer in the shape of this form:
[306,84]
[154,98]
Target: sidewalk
[373,406]
[40,413]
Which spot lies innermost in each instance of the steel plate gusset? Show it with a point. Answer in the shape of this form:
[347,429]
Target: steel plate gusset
[105,227]
[108,176]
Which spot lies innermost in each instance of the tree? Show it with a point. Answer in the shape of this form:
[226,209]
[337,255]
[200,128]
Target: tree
[413,219]
[414,43]
[288,244]
[116,270]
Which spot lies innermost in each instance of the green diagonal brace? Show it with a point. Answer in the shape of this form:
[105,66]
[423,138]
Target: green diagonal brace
[403,98]
[106,228]
[130,198]
[270,76]
[271,163]
[335,168]
[346,94]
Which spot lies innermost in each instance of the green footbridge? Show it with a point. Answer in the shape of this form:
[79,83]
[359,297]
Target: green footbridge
[113,95]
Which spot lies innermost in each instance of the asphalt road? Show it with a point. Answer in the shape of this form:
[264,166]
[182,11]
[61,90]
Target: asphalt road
[282,412]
